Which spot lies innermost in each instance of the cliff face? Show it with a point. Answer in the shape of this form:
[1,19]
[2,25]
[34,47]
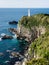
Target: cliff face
[33,33]
[34,26]
[36,29]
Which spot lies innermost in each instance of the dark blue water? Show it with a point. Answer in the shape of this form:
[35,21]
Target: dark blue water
[10,14]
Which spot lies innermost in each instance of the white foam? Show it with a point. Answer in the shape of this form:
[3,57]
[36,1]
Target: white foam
[15,36]
[11,56]
[3,34]
[0,39]
[6,61]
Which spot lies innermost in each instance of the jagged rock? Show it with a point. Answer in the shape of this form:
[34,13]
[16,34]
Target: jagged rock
[31,34]
[13,22]
[15,54]
[14,31]
[7,37]
[20,37]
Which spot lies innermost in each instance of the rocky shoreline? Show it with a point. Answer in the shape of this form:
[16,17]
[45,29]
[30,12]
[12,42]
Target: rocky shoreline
[16,57]
[19,36]
[24,34]
[29,34]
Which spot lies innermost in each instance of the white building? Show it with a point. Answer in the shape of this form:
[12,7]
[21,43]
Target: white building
[29,12]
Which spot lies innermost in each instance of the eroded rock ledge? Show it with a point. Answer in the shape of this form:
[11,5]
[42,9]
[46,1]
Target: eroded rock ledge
[28,35]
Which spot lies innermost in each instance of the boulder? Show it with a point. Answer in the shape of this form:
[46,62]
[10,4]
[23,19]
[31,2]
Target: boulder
[13,22]
[7,37]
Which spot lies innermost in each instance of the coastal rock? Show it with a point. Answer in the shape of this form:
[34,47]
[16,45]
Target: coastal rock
[14,31]
[31,29]
[1,54]
[13,22]
[31,34]
[20,37]
[7,37]
[14,54]
[18,63]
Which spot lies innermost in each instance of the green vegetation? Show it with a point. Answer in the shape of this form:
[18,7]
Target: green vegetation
[38,62]
[39,49]
[40,46]
[35,20]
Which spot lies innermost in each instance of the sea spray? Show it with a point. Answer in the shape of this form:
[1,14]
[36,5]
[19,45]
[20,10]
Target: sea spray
[3,34]
[15,36]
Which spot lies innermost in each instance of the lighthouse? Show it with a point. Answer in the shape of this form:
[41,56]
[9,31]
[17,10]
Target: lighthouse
[28,12]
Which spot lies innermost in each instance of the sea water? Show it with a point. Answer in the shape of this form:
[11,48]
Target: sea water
[13,14]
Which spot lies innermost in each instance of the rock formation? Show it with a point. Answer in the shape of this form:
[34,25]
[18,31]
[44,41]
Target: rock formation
[7,37]
[13,22]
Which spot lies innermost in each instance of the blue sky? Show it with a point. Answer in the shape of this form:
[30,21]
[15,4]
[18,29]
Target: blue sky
[24,3]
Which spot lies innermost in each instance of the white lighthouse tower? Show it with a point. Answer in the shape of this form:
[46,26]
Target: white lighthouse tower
[28,12]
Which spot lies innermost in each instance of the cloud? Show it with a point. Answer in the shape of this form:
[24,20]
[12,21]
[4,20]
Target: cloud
[24,3]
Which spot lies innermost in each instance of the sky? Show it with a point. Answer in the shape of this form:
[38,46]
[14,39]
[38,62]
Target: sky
[24,3]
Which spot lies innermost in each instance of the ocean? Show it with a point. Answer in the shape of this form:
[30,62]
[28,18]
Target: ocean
[13,14]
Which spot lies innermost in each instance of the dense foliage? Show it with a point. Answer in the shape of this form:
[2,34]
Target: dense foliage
[41,61]
[35,20]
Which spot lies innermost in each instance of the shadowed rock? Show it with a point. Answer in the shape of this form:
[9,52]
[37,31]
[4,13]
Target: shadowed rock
[7,37]
[13,22]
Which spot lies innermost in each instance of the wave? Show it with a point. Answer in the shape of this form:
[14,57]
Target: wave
[3,34]
[0,39]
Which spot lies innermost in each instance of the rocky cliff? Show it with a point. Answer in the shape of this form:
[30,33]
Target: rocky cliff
[36,30]
[34,26]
